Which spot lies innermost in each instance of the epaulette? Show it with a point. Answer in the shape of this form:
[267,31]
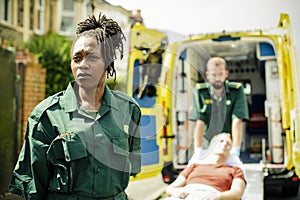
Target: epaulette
[234,85]
[45,104]
[201,86]
[124,96]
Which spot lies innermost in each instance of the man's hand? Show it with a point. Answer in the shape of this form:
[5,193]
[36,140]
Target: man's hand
[180,193]
[235,151]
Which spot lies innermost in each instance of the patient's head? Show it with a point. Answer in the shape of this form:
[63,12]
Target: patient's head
[221,144]
[218,150]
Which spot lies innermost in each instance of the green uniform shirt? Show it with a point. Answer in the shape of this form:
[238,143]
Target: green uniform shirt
[69,154]
[217,114]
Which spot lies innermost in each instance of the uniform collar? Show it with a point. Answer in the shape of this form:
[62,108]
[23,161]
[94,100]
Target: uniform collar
[212,92]
[226,86]
[70,102]
[108,98]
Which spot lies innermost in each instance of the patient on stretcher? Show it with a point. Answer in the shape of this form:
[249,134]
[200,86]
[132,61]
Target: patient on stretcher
[210,176]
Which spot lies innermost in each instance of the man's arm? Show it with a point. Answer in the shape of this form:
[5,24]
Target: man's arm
[176,189]
[240,113]
[236,191]
[198,134]
[237,133]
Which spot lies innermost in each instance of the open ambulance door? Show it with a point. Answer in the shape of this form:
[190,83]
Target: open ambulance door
[144,67]
[282,77]
[290,91]
[179,76]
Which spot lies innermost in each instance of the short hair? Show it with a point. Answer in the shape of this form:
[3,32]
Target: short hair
[215,61]
[109,36]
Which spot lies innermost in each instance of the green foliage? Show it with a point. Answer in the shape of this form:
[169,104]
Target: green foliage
[53,52]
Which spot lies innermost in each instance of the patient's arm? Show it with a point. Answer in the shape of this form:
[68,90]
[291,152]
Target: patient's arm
[176,189]
[236,191]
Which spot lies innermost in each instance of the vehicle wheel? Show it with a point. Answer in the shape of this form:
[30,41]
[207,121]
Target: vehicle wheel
[169,173]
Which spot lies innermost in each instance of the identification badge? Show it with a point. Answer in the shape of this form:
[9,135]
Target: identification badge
[208,101]
[126,128]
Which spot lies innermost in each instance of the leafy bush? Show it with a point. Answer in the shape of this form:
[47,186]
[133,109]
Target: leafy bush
[53,52]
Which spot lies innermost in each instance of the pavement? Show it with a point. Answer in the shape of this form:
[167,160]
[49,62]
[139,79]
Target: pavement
[255,183]
[146,189]
[9,196]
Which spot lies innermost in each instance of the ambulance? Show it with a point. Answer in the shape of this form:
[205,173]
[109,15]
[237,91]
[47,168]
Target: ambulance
[163,73]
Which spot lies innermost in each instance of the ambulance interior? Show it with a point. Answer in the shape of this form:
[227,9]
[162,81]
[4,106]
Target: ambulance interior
[251,61]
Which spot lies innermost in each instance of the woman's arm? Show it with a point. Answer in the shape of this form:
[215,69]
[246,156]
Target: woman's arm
[175,188]
[31,174]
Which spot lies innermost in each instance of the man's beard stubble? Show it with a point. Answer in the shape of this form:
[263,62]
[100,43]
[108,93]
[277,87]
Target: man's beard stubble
[218,85]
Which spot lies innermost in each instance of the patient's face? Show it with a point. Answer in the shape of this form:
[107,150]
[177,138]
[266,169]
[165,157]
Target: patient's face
[223,144]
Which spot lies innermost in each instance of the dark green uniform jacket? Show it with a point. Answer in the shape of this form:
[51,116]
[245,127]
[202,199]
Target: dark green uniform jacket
[69,154]
[218,114]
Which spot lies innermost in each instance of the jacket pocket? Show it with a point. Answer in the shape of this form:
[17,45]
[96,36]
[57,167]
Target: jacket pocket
[121,162]
[62,151]
[66,150]
[120,146]
[74,150]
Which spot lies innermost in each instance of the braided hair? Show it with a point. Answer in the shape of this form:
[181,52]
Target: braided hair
[108,35]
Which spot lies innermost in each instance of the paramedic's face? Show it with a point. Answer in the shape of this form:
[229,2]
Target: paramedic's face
[224,144]
[217,75]
[87,64]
